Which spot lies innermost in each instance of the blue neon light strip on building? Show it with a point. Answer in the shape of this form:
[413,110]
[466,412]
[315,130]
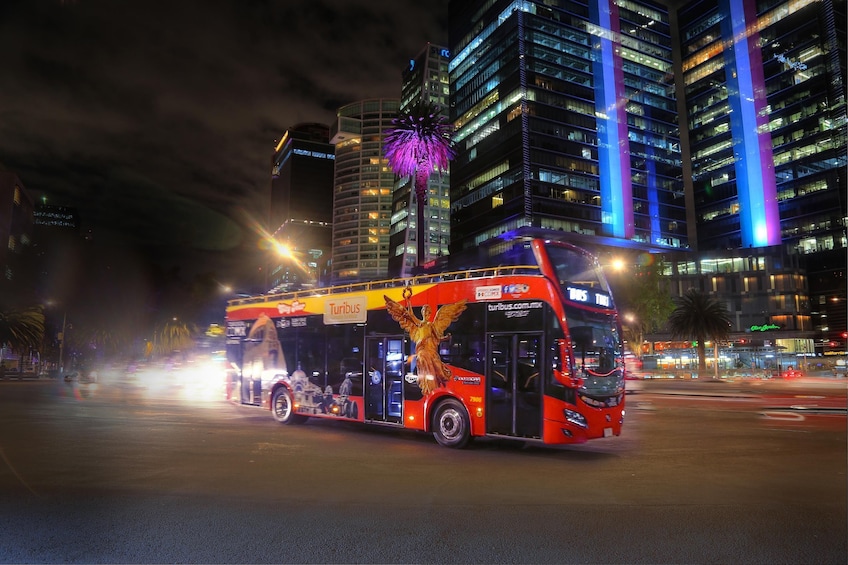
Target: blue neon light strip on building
[759,217]
[653,197]
[613,145]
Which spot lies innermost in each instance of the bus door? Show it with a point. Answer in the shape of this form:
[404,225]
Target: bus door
[514,389]
[251,375]
[384,362]
[251,389]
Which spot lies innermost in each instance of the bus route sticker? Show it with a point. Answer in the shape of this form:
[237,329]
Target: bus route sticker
[491,292]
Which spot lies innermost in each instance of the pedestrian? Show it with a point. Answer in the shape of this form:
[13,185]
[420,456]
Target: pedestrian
[2,370]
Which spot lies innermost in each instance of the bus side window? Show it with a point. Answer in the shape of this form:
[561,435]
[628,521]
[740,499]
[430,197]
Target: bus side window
[310,354]
[344,357]
[351,366]
[464,348]
[528,365]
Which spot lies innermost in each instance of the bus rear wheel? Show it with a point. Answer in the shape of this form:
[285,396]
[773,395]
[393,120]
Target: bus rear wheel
[451,426]
[282,407]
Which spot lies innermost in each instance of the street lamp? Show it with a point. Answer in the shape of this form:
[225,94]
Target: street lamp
[60,336]
[62,343]
[715,358]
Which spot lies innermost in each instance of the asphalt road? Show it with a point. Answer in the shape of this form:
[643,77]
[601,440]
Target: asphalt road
[153,472]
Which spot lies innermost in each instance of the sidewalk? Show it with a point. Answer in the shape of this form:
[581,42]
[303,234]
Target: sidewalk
[748,387]
[15,376]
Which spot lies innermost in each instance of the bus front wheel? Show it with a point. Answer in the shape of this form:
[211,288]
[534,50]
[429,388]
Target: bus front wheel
[451,426]
[282,407]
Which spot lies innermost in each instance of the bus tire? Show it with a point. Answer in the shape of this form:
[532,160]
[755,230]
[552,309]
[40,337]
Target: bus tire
[451,426]
[282,407]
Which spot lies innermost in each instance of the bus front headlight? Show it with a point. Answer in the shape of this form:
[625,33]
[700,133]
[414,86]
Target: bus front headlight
[575,418]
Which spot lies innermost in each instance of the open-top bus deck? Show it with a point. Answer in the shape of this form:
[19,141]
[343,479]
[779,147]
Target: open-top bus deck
[529,348]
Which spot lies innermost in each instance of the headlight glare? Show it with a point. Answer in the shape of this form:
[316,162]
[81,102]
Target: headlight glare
[575,418]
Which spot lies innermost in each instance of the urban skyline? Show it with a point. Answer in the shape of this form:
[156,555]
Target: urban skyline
[551,172]
[156,120]
[682,182]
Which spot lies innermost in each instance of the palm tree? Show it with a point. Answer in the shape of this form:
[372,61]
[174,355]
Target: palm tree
[173,337]
[22,329]
[699,317]
[419,143]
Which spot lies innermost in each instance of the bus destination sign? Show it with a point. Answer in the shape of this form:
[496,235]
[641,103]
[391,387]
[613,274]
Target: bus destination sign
[587,296]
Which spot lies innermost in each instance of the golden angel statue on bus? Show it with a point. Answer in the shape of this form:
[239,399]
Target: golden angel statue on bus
[427,334]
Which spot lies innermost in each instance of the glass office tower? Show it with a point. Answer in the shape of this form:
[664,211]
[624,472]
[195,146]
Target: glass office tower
[300,211]
[763,84]
[362,190]
[567,120]
[424,79]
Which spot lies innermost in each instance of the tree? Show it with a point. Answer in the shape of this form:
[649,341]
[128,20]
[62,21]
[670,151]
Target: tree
[699,317]
[173,337]
[644,300]
[22,329]
[419,143]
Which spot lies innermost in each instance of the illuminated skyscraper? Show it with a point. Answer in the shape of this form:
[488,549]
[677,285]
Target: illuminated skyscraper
[302,175]
[763,84]
[301,209]
[362,190]
[566,119]
[16,228]
[424,80]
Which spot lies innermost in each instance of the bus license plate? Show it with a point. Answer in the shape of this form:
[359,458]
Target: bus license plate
[607,432]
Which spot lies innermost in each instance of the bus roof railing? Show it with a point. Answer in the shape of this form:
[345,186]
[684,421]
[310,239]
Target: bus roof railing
[427,278]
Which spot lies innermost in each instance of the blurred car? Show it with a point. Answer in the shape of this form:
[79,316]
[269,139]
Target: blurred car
[792,373]
[81,377]
[633,384]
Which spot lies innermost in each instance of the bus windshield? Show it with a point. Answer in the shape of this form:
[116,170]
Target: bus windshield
[575,268]
[595,341]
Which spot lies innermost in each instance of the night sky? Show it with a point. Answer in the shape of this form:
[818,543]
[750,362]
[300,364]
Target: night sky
[157,120]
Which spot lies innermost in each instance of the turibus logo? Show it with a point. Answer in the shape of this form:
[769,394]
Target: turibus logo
[286,308]
[346,310]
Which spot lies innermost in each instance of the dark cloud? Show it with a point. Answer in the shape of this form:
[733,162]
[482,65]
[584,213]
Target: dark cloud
[157,120]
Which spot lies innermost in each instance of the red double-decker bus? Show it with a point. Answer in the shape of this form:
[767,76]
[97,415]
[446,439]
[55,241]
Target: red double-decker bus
[521,341]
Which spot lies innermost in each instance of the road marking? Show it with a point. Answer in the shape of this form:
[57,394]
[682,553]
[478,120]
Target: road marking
[783,415]
[15,472]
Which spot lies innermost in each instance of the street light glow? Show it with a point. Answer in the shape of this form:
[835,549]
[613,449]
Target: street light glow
[283,250]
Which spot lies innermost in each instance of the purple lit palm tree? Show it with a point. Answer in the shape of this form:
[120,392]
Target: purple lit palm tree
[419,143]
